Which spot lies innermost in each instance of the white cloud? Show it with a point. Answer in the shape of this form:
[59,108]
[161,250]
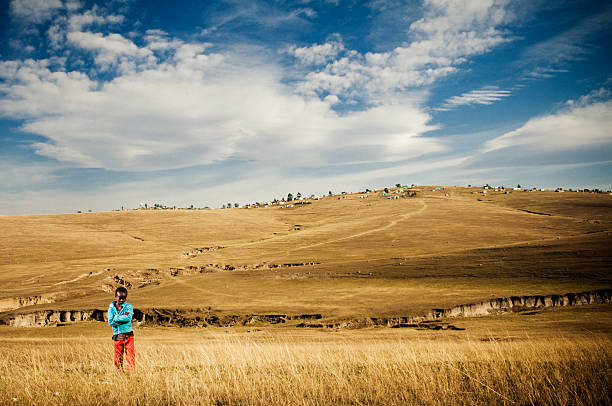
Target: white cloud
[171,104]
[76,22]
[317,54]
[485,95]
[196,107]
[577,127]
[448,33]
[595,96]
[56,35]
[158,40]
[73,5]
[108,49]
[542,72]
[35,11]
[260,13]
[382,5]
[306,11]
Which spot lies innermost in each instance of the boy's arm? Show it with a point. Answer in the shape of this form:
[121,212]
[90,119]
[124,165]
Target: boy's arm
[126,317]
[112,313]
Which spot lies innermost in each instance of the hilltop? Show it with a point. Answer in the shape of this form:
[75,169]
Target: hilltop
[363,254]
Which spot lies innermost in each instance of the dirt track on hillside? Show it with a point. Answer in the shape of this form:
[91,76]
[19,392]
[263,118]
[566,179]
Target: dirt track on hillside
[361,234]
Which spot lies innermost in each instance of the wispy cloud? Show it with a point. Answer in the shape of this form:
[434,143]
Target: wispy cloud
[551,56]
[577,133]
[484,96]
[580,124]
[19,174]
[234,13]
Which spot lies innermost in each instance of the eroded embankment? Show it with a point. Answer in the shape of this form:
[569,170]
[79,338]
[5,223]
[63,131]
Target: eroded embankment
[153,276]
[176,317]
[23,301]
[517,303]
[207,317]
[485,308]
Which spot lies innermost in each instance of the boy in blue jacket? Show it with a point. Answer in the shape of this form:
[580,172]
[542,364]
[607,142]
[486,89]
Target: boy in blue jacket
[120,315]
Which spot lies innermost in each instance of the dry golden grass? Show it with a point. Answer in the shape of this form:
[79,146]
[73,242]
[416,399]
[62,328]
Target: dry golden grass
[393,257]
[316,369]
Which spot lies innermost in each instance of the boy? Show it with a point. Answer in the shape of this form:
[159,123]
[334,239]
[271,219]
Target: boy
[120,315]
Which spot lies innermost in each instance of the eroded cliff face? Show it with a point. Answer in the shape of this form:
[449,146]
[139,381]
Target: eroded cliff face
[513,303]
[485,308]
[182,317]
[207,317]
[53,317]
[17,302]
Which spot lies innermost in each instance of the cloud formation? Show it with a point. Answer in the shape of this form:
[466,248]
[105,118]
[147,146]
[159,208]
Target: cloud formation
[195,107]
[581,124]
[153,101]
[484,96]
[317,54]
[108,49]
[262,13]
[443,39]
[577,133]
[35,11]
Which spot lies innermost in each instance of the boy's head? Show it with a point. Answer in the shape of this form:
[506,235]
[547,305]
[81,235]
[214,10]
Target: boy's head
[120,295]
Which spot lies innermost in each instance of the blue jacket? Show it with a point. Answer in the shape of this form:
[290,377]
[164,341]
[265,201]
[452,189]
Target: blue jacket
[121,322]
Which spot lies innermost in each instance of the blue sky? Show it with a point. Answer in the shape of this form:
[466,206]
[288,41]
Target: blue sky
[109,104]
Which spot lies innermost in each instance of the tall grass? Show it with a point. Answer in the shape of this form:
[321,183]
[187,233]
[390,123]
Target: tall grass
[285,370]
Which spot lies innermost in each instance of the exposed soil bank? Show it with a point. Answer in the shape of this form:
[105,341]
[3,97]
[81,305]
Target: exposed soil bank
[17,302]
[517,303]
[182,317]
[144,277]
[206,317]
[480,309]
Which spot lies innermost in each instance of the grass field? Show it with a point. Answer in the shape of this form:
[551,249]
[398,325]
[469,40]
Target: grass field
[495,361]
[350,257]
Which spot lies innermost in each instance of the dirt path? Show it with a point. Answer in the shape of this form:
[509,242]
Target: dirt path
[292,235]
[533,242]
[84,275]
[361,234]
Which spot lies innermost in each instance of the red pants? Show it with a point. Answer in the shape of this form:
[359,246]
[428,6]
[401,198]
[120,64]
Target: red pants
[126,346]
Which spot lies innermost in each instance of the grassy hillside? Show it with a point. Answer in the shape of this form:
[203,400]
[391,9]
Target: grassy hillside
[348,255]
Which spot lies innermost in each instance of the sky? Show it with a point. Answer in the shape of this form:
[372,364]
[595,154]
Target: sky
[111,104]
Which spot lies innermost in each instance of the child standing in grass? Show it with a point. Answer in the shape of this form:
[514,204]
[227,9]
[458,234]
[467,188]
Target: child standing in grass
[120,315]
